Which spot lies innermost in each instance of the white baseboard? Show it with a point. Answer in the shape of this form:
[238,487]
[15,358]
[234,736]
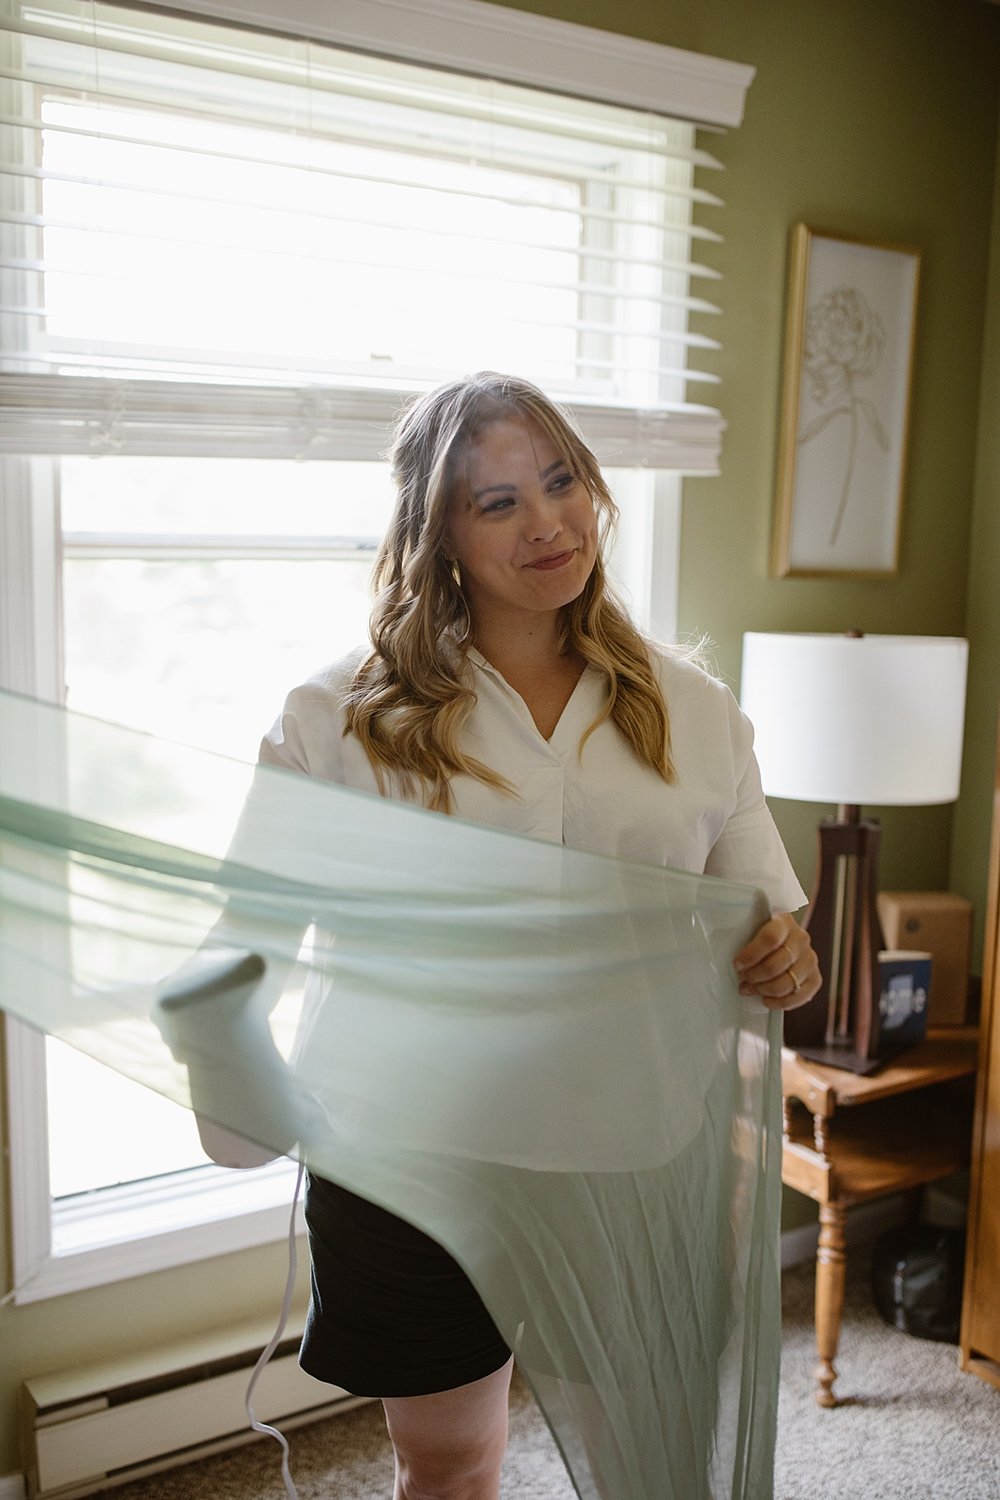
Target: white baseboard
[865,1222]
[12,1487]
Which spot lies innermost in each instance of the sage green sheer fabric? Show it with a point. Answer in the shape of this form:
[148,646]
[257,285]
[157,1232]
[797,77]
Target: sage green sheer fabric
[536,1055]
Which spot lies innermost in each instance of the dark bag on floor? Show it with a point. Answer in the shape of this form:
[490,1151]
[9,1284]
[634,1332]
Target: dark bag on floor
[917,1280]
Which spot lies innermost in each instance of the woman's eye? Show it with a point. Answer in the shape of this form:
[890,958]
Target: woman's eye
[563,482]
[503,503]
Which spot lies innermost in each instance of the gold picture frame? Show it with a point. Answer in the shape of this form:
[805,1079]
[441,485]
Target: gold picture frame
[848,366]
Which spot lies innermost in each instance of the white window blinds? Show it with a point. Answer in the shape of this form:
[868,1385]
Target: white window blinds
[216,240]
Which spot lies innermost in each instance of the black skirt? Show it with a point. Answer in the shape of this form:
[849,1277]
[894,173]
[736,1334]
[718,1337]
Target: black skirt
[391,1313]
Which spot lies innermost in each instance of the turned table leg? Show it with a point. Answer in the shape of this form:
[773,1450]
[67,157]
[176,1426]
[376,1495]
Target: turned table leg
[831,1265]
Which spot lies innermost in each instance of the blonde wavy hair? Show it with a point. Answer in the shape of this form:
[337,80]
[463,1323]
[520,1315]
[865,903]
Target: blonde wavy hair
[412,694]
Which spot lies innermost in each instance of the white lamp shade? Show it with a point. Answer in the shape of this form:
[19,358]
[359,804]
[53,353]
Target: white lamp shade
[872,719]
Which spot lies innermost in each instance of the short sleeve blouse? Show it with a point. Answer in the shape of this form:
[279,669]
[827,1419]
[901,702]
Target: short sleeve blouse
[601,798]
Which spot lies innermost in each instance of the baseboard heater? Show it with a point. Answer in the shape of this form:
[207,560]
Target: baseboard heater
[120,1420]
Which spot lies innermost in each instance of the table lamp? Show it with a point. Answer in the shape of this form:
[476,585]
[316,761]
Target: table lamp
[852,719]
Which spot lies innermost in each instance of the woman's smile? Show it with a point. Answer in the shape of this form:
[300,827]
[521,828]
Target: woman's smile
[555,560]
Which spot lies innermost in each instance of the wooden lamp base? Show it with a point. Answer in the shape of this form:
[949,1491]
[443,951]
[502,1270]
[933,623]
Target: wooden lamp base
[840,1025]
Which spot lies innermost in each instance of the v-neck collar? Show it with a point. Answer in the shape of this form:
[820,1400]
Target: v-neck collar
[579,709]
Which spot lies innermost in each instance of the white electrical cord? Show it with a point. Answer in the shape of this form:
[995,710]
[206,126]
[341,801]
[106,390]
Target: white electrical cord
[258,1368]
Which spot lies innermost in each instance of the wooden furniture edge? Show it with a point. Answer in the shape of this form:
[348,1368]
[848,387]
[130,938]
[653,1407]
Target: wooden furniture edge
[823,1089]
[991,973]
[978,1364]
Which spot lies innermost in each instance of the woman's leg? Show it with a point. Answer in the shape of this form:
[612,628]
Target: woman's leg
[450,1445]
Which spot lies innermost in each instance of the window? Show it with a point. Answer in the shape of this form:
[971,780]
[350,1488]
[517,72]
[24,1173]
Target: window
[224,253]
[226,598]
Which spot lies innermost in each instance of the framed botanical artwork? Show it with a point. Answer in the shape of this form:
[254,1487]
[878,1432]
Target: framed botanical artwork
[849,342]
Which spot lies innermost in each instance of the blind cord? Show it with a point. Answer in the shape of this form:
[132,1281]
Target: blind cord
[266,1354]
[19,1286]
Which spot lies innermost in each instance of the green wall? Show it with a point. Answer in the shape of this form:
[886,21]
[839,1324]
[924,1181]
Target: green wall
[871,119]
[879,121]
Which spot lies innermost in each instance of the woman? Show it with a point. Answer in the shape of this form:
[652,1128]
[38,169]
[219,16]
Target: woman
[506,686]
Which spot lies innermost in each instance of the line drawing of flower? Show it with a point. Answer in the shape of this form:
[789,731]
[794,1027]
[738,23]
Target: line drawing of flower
[844,340]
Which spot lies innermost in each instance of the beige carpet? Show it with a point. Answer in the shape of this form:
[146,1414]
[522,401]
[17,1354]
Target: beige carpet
[913,1428]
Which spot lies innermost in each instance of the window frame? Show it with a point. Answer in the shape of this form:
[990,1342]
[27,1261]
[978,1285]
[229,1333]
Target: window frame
[82,1245]
[471,36]
[474,36]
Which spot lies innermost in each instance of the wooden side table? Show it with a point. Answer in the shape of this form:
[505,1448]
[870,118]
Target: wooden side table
[848,1139]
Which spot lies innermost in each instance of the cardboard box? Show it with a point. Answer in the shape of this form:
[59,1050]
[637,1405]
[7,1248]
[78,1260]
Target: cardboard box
[940,923]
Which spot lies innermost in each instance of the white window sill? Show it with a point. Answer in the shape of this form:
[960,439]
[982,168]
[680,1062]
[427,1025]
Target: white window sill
[188,1216]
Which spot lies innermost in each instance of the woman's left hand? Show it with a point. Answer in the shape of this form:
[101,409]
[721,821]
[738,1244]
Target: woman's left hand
[779,964]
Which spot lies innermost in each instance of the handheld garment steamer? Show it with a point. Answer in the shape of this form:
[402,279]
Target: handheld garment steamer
[245,1109]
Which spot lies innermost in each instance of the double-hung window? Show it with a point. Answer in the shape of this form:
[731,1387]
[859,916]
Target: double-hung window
[228,256]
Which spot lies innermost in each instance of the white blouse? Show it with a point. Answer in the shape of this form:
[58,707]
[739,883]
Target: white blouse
[713,820]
